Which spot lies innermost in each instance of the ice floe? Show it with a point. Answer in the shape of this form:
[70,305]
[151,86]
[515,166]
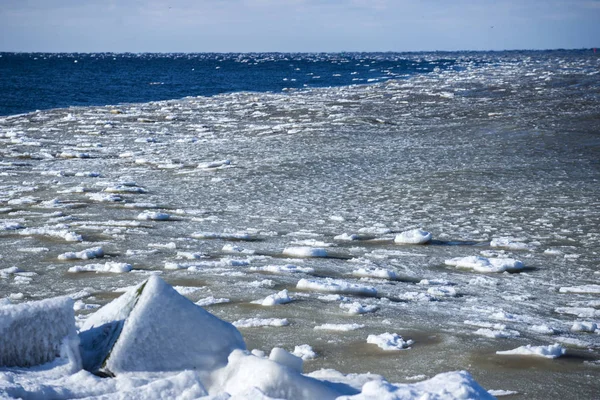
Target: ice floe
[329,285]
[497,334]
[60,233]
[347,237]
[10,226]
[215,164]
[581,312]
[584,326]
[87,254]
[224,236]
[510,244]
[583,289]
[442,291]
[305,352]
[284,269]
[260,322]
[390,341]
[550,351]
[281,297]
[153,216]
[104,197]
[108,267]
[379,273]
[303,251]
[339,327]
[485,265]
[210,300]
[501,392]
[233,249]
[543,329]
[188,255]
[414,236]
[356,308]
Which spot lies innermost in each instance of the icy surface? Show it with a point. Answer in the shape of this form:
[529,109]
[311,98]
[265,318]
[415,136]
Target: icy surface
[468,151]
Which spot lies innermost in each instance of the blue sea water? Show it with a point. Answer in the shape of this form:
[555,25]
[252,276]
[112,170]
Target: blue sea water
[38,81]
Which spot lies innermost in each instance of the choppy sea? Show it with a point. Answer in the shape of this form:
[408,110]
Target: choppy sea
[205,168]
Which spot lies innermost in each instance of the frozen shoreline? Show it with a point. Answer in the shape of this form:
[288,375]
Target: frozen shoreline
[160,344]
[150,187]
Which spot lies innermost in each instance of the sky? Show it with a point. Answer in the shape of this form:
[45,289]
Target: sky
[296,25]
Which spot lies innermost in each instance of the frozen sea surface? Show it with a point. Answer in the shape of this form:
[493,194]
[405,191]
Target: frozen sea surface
[496,158]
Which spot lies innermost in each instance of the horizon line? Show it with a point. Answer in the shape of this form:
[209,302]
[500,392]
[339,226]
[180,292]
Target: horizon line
[301,52]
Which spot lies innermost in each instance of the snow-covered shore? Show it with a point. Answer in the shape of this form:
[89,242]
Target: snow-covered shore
[153,343]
